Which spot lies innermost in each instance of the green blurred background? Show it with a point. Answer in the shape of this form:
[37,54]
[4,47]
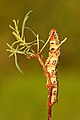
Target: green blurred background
[25,97]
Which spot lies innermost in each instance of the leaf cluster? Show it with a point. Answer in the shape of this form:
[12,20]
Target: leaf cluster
[20,46]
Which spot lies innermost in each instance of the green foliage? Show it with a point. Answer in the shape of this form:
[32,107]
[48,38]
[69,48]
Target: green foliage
[20,46]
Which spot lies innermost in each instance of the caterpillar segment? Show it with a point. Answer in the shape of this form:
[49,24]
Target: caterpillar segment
[52,62]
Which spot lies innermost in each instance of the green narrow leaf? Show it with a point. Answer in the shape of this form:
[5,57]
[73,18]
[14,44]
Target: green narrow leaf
[31,42]
[11,27]
[20,52]
[14,21]
[23,25]
[17,36]
[26,50]
[17,23]
[24,22]
[11,54]
[15,43]
[16,63]
[41,41]
[37,43]
[21,48]
[31,31]
[45,44]
[16,26]
[9,45]
[32,45]
[30,53]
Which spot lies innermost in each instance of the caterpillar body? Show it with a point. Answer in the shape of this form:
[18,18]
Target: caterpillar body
[52,62]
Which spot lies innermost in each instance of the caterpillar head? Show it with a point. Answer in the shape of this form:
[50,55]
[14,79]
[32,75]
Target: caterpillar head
[53,34]
[54,41]
[52,31]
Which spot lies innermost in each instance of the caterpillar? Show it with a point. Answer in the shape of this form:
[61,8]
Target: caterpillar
[52,62]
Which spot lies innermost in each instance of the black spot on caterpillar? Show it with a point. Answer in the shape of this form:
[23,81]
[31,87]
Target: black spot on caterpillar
[52,49]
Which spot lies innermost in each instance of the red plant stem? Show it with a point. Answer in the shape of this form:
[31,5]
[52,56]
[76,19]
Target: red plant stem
[49,85]
[49,102]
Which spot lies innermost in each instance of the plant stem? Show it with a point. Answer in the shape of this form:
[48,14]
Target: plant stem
[49,102]
[49,85]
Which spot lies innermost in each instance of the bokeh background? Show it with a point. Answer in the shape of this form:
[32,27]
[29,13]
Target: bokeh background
[25,97]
